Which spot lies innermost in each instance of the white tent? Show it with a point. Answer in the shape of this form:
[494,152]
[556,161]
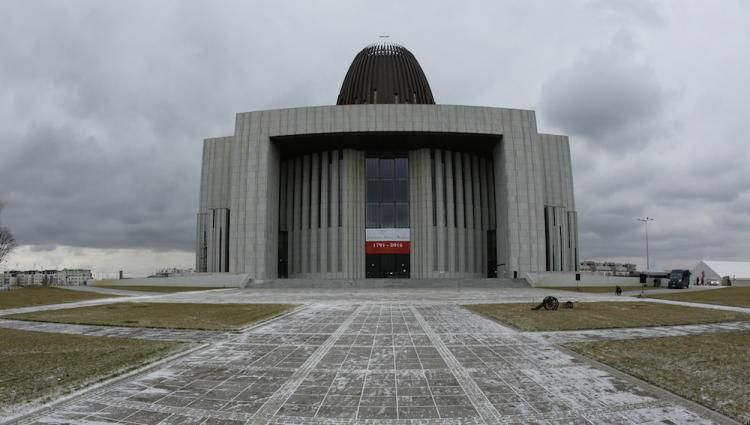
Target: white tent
[737,271]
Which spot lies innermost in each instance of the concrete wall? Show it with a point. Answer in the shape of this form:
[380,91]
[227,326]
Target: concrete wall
[569,279]
[518,164]
[206,280]
[211,243]
[449,226]
[561,220]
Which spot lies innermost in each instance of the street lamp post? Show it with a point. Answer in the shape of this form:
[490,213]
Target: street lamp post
[645,221]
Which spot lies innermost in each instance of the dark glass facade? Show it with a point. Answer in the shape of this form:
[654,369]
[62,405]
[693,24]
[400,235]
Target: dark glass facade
[387,200]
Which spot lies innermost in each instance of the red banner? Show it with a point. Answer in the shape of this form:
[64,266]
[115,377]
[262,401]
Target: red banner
[387,247]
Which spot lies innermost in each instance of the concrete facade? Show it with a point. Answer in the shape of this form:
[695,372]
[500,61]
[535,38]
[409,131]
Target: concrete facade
[521,188]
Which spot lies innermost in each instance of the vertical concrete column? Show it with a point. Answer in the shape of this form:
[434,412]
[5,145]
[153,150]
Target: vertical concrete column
[564,251]
[499,207]
[295,235]
[324,224]
[282,199]
[483,184]
[469,211]
[414,219]
[200,263]
[451,233]
[428,230]
[360,193]
[460,214]
[314,214]
[335,237]
[305,245]
[289,194]
[441,265]
[353,225]
[346,213]
[477,230]
[573,230]
[420,213]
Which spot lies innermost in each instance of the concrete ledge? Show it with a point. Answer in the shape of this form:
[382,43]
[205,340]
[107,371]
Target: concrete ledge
[553,279]
[204,280]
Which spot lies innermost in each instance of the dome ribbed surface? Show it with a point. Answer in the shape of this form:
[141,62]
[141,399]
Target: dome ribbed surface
[385,73]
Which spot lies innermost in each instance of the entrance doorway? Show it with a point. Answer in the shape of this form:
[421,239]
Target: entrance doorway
[283,271]
[387,266]
[491,254]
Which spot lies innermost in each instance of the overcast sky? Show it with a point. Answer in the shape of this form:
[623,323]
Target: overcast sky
[104,105]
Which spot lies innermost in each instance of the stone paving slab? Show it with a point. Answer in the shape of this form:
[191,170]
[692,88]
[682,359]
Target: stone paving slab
[561,337]
[366,363]
[187,335]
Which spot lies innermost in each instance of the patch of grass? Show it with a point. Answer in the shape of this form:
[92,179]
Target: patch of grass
[602,315]
[597,289]
[164,289]
[42,295]
[162,315]
[709,369]
[738,296]
[40,365]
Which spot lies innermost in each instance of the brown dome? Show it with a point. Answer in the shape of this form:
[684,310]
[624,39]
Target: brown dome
[385,72]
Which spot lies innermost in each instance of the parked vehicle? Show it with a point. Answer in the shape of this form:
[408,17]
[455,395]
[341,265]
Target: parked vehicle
[679,279]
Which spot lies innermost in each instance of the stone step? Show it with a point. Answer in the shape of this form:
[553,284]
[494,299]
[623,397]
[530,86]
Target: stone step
[387,283]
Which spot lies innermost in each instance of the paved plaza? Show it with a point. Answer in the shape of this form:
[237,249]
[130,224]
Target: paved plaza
[391,357]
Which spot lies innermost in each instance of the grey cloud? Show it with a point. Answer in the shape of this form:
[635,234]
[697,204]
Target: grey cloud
[608,99]
[627,12]
[103,106]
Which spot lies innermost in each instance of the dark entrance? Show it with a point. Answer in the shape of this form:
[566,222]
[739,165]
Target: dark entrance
[491,254]
[380,266]
[283,271]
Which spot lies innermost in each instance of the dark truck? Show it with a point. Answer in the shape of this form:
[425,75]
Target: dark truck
[679,279]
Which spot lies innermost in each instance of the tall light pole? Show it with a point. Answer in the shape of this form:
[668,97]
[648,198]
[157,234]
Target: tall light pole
[645,221]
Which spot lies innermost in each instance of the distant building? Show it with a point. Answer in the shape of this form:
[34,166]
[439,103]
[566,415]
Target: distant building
[722,271]
[65,277]
[612,268]
[172,272]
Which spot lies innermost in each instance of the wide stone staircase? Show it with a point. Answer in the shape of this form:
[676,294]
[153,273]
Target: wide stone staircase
[387,283]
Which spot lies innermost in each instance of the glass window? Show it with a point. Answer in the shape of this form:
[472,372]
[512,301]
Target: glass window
[387,192]
[373,221]
[386,187]
[402,168]
[373,192]
[386,168]
[372,168]
[402,191]
[386,215]
[402,215]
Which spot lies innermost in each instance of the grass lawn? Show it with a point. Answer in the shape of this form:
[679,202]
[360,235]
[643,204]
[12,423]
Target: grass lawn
[602,315]
[155,288]
[162,315]
[738,296]
[41,295]
[40,365]
[598,289]
[710,369]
